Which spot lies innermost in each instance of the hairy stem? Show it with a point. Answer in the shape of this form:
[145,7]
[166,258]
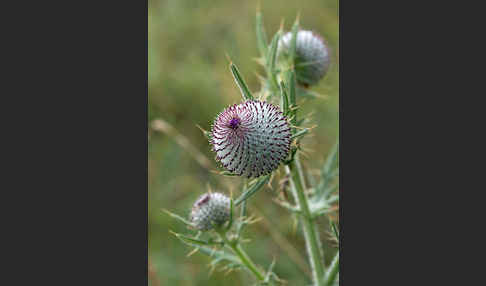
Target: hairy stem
[300,172]
[308,225]
[244,258]
[333,271]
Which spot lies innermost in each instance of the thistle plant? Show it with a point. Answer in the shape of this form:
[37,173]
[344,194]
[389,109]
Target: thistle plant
[254,140]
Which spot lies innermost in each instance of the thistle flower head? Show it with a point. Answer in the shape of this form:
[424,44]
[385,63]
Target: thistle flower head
[209,210]
[311,56]
[251,139]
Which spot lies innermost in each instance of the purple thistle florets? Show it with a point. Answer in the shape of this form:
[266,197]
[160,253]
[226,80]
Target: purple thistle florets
[210,210]
[234,123]
[251,139]
[312,56]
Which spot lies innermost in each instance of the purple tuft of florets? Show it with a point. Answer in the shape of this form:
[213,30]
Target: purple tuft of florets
[234,123]
[251,139]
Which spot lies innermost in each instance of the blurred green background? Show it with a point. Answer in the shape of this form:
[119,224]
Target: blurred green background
[189,84]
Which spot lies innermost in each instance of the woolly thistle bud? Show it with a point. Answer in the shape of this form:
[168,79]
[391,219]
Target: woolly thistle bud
[311,56]
[251,139]
[210,209]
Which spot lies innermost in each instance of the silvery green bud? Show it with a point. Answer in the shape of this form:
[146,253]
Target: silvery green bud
[210,209]
[251,139]
[311,56]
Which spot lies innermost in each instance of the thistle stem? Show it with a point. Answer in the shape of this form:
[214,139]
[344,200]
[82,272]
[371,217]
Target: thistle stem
[308,226]
[245,259]
[333,271]
[242,255]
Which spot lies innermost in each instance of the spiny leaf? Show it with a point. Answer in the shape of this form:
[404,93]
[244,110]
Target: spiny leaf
[293,40]
[227,173]
[318,207]
[245,91]
[335,230]
[272,52]
[300,133]
[328,172]
[333,199]
[253,189]
[292,94]
[218,255]
[269,271]
[329,191]
[231,215]
[331,159]
[320,211]
[243,209]
[178,217]
[285,99]
[287,206]
[192,240]
[261,35]
[310,94]
[206,133]
[242,221]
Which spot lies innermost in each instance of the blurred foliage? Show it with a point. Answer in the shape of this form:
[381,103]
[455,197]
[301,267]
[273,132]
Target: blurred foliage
[190,83]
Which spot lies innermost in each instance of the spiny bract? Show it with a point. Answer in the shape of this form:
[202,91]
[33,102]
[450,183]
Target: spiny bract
[251,139]
[312,56]
[210,209]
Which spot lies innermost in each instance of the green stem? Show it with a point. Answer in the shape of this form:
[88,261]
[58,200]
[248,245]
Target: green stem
[310,234]
[244,258]
[300,171]
[333,271]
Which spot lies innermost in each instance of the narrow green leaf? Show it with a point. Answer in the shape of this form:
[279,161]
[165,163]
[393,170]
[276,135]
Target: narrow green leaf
[285,99]
[293,40]
[183,220]
[272,53]
[320,211]
[203,247]
[300,133]
[241,222]
[318,207]
[328,172]
[335,230]
[253,189]
[329,191]
[306,93]
[206,133]
[231,215]
[292,95]
[269,271]
[261,35]
[218,255]
[245,91]
[227,173]
[243,209]
[191,240]
[287,206]
[331,159]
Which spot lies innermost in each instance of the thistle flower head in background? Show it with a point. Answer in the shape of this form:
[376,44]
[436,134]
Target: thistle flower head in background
[312,56]
[209,210]
[251,139]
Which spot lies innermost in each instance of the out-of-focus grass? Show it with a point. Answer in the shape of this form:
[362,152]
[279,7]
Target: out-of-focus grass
[189,84]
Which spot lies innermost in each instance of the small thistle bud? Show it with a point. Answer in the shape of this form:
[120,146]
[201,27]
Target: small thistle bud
[210,209]
[251,139]
[311,56]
